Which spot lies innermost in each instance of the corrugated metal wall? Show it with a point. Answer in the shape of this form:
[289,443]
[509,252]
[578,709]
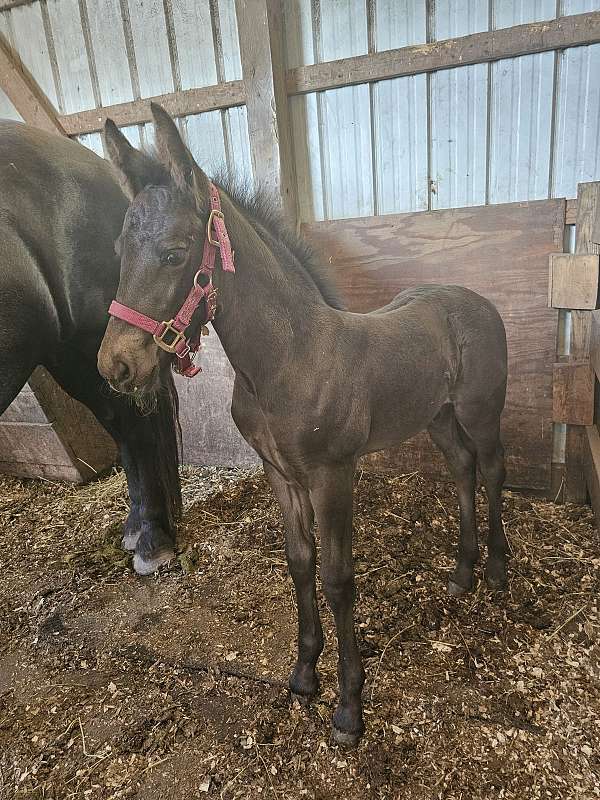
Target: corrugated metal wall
[85,54]
[519,129]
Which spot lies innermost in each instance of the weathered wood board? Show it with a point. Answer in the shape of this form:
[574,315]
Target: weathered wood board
[573,281]
[209,433]
[588,210]
[499,251]
[45,433]
[573,392]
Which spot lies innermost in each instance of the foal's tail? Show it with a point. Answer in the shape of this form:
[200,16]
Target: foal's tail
[168,439]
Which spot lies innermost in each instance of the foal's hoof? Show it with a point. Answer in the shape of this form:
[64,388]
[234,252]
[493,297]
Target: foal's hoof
[303,684]
[495,572]
[130,540]
[146,566]
[456,590]
[304,699]
[350,718]
[344,739]
[496,580]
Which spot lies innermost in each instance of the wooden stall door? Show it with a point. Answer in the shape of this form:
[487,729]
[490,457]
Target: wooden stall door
[502,253]
[209,434]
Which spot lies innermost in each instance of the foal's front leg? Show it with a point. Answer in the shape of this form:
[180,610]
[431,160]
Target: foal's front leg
[331,497]
[301,557]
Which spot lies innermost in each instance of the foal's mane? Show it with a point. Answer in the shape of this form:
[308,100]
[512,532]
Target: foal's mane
[292,250]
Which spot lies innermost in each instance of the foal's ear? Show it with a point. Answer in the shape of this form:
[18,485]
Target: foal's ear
[176,158]
[136,168]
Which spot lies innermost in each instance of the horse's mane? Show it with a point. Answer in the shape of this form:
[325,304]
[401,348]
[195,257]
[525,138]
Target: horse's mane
[261,209]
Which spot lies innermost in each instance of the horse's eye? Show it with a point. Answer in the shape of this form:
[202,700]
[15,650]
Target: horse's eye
[174,258]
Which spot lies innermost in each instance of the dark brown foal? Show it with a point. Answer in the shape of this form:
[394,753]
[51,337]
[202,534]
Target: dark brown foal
[316,387]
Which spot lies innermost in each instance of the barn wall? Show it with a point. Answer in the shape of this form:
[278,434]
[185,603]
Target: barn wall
[518,129]
[90,54]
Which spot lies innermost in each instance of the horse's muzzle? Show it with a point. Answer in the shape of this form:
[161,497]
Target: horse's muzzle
[129,364]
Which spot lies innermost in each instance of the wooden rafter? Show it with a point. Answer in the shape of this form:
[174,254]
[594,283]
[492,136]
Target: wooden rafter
[24,93]
[178,104]
[476,48]
[6,5]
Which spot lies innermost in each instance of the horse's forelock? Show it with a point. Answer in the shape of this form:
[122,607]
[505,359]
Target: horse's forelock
[153,202]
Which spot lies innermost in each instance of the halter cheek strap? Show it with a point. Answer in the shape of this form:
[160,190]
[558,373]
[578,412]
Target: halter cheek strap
[170,336]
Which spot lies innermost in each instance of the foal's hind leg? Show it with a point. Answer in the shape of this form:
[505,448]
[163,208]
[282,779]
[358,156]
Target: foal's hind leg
[331,497]
[483,430]
[301,557]
[460,458]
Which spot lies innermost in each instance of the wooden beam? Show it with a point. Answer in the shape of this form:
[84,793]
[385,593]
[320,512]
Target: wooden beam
[24,93]
[588,206]
[573,392]
[86,443]
[46,433]
[592,468]
[595,343]
[178,104]
[477,48]
[262,53]
[6,5]
[573,281]
[571,212]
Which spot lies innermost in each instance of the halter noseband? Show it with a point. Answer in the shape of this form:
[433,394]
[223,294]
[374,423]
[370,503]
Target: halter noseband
[170,336]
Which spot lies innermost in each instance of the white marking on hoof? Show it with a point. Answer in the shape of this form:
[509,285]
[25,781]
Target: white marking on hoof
[345,739]
[148,566]
[303,699]
[130,540]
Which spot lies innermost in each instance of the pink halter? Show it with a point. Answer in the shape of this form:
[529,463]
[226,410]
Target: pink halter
[170,336]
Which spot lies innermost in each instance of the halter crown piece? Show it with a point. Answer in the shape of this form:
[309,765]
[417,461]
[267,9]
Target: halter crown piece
[170,336]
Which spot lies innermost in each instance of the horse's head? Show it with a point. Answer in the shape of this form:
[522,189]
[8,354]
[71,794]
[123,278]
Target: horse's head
[160,248]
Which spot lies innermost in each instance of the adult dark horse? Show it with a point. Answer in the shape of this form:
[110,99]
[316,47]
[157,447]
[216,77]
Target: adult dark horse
[61,209]
[315,387]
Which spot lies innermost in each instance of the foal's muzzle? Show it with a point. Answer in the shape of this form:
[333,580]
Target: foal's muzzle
[128,359]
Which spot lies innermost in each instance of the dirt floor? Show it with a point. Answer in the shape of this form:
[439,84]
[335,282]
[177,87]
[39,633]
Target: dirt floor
[173,687]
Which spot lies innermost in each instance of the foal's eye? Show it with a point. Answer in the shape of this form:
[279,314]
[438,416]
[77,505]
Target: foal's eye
[174,258]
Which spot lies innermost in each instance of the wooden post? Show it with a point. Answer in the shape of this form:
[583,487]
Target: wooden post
[588,207]
[24,93]
[260,28]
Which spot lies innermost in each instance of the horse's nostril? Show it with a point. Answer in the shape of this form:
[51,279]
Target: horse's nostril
[122,371]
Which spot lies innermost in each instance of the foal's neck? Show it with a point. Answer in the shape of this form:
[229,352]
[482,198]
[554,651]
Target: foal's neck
[266,310]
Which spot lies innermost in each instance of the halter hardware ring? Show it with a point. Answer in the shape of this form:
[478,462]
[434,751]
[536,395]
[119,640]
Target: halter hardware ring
[169,347]
[211,217]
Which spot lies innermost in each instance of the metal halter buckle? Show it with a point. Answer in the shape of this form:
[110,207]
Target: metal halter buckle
[214,213]
[169,346]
